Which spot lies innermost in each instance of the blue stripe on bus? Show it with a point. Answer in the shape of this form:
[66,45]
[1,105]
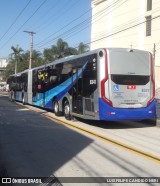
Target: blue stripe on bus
[125,113]
[45,99]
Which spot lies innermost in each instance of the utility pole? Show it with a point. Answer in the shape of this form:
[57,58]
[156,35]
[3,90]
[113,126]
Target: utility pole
[31,47]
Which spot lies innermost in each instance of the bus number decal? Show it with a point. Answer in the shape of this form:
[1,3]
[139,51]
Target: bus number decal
[92,82]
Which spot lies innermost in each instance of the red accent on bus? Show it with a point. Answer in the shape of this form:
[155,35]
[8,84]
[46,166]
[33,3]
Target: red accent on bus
[152,80]
[104,80]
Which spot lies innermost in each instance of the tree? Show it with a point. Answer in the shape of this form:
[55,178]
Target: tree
[16,52]
[8,71]
[23,62]
[59,49]
[71,51]
[37,60]
[48,55]
[62,49]
[83,48]
[20,61]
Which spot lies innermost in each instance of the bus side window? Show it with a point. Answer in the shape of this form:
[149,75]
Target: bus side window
[66,72]
[53,76]
[25,80]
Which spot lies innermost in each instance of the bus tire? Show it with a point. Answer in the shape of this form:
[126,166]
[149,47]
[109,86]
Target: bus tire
[56,108]
[67,111]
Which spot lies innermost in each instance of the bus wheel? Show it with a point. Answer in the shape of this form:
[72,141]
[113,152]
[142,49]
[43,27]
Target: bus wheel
[56,108]
[67,112]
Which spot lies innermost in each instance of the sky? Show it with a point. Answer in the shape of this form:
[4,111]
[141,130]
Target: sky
[49,19]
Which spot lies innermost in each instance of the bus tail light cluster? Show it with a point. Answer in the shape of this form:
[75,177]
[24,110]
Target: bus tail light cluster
[111,113]
[103,95]
[152,80]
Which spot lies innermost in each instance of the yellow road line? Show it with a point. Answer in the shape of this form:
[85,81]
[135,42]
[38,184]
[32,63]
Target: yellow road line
[109,140]
[104,138]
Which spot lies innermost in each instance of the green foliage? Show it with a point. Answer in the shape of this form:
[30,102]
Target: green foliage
[82,48]
[20,60]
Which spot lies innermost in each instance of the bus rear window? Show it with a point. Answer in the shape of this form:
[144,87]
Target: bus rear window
[130,79]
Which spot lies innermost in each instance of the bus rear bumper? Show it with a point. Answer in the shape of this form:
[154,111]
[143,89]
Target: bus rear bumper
[106,112]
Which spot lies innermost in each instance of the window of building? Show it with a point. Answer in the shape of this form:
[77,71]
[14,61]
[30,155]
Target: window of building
[149,5]
[148,25]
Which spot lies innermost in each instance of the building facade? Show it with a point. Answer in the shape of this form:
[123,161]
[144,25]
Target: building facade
[3,64]
[127,24]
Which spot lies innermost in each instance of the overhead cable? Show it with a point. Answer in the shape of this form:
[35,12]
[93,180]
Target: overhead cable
[15,20]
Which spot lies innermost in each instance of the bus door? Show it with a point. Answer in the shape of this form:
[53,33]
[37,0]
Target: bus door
[77,98]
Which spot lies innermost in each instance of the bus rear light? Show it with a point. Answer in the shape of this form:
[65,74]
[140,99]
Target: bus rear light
[109,102]
[151,111]
[152,81]
[111,113]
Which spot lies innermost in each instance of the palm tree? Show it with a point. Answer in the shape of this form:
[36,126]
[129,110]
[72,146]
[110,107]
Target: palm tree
[16,52]
[59,49]
[48,55]
[82,48]
[37,59]
[62,46]
[71,51]
[62,49]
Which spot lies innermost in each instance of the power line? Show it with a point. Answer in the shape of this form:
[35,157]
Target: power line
[100,12]
[87,21]
[44,15]
[24,23]
[122,26]
[51,20]
[74,33]
[123,30]
[64,26]
[15,20]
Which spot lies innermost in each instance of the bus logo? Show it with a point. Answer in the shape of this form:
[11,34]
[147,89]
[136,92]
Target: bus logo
[131,87]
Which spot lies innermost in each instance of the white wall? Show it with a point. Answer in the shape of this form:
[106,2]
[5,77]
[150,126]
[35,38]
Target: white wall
[109,18]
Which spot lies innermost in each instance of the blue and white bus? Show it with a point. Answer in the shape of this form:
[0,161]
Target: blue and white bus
[104,84]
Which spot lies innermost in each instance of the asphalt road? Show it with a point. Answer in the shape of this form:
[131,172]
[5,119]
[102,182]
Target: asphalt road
[34,146]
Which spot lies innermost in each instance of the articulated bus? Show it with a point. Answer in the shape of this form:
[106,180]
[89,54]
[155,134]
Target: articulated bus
[104,84]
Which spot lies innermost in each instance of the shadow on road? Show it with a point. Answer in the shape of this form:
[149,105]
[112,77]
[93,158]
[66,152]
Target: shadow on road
[119,124]
[32,145]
